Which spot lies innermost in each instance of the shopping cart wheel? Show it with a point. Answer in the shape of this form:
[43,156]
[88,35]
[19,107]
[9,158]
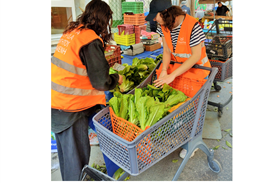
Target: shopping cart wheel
[217,88]
[215,166]
[220,112]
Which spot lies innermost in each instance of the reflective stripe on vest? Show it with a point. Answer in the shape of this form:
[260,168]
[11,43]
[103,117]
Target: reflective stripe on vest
[69,67]
[74,91]
[184,55]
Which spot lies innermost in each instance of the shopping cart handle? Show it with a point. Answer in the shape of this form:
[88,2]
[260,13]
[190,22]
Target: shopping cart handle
[202,67]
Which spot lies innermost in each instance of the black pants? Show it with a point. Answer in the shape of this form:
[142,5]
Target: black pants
[73,149]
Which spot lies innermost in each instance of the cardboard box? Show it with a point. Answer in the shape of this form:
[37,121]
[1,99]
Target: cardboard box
[152,47]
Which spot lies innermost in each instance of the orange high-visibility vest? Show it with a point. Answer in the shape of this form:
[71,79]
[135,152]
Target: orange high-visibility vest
[181,54]
[71,90]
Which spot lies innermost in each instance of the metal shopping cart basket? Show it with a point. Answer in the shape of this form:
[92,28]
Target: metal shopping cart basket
[181,128]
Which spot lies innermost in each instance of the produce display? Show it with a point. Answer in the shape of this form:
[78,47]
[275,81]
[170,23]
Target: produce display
[147,105]
[134,74]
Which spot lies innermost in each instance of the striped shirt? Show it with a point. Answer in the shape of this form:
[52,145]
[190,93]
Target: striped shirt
[197,35]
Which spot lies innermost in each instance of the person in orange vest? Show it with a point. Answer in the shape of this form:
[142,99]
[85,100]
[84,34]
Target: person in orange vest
[183,47]
[79,77]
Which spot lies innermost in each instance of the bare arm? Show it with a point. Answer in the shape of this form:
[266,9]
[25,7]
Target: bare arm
[195,56]
[192,60]
[166,55]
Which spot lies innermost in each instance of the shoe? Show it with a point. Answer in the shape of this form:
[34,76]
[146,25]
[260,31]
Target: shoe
[184,152]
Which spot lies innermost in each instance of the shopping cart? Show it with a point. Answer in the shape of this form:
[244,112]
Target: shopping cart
[181,128]
[219,50]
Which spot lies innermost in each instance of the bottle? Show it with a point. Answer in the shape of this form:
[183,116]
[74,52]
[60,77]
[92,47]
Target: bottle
[205,24]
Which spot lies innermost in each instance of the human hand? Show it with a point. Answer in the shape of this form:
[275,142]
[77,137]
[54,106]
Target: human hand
[120,80]
[162,80]
[163,73]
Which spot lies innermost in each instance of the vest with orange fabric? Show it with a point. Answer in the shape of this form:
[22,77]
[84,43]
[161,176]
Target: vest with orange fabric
[71,90]
[193,79]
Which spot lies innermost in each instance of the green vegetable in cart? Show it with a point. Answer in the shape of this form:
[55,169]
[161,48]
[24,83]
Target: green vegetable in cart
[114,103]
[124,106]
[126,85]
[132,110]
[112,71]
[175,99]
[142,67]
[228,144]
[156,113]
[142,111]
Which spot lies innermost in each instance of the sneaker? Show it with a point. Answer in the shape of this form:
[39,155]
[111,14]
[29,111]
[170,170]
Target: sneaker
[184,152]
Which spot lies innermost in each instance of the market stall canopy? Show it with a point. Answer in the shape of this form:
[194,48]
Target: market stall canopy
[210,1]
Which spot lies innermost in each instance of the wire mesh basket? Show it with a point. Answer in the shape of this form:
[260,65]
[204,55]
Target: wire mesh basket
[224,69]
[158,141]
[219,47]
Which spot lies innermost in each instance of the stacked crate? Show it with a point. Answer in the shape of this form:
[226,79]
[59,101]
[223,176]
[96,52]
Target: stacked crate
[125,35]
[133,16]
[150,40]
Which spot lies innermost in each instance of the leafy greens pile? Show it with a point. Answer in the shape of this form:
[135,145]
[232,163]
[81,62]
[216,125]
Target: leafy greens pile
[134,74]
[147,106]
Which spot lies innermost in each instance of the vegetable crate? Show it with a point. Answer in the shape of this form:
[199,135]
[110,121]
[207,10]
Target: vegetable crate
[138,29]
[181,128]
[112,54]
[134,7]
[125,40]
[128,29]
[219,47]
[135,19]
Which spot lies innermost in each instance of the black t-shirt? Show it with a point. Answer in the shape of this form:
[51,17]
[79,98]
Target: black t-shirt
[93,57]
[222,10]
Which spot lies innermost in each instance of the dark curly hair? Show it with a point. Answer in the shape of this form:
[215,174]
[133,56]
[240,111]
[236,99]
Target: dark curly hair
[98,17]
[169,15]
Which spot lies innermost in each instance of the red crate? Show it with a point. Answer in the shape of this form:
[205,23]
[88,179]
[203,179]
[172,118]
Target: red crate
[135,19]
[112,54]
[138,29]
[128,29]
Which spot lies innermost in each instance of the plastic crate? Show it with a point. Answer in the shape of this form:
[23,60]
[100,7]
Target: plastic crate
[224,69]
[138,29]
[112,54]
[135,19]
[152,47]
[149,35]
[220,47]
[125,40]
[128,29]
[134,7]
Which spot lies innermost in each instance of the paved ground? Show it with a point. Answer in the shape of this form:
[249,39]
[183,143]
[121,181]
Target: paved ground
[196,168]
